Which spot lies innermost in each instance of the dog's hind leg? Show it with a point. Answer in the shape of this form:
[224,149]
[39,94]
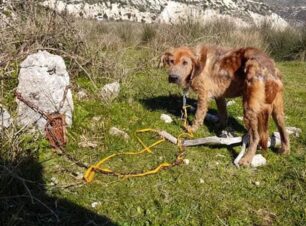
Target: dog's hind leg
[253,103]
[279,119]
[252,120]
[263,123]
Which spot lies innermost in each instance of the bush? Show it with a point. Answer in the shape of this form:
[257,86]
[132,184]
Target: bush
[284,44]
[148,33]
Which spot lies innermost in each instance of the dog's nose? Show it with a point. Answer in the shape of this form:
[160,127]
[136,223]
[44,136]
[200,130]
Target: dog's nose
[173,78]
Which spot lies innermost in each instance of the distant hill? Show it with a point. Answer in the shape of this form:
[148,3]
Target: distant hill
[242,12]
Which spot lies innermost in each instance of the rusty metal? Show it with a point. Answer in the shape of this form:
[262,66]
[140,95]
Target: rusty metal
[55,128]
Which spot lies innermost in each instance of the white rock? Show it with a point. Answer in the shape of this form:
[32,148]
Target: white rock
[201,181]
[5,118]
[96,118]
[110,91]
[186,161]
[82,95]
[227,134]
[258,160]
[54,180]
[166,118]
[257,183]
[87,144]
[43,79]
[79,175]
[293,130]
[230,103]
[95,204]
[240,118]
[119,133]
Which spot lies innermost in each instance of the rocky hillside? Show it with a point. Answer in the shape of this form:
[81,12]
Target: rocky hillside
[243,12]
[293,11]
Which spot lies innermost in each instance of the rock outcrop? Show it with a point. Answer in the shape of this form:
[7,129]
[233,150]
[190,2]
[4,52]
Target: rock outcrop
[243,12]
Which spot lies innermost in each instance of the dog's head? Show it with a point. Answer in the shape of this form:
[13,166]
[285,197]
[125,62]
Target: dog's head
[182,65]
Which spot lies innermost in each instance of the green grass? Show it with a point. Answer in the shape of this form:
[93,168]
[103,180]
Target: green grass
[228,195]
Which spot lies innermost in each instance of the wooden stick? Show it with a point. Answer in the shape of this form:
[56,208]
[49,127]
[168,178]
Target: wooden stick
[274,140]
[168,137]
[213,140]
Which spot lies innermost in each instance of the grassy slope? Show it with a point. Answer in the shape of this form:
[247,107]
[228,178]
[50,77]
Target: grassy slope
[176,197]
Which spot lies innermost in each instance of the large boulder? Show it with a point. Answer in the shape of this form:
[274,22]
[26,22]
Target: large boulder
[43,79]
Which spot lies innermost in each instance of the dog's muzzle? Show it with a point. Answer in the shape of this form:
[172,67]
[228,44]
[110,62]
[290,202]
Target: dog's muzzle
[173,78]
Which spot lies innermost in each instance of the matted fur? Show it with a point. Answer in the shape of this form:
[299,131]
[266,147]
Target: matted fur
[218,73]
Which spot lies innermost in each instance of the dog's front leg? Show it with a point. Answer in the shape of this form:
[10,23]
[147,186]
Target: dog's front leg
[222,112]
[200,113]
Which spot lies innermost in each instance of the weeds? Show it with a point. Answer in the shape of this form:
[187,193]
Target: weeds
[148,33]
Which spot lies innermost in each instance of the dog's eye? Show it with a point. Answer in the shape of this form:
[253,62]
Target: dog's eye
[171,61]
[185,62]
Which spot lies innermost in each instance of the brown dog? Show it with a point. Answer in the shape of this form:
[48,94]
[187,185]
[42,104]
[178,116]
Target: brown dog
[218,73]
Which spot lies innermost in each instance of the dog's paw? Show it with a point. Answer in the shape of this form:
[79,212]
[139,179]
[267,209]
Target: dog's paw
[245,161]
[284,150]
[191,129]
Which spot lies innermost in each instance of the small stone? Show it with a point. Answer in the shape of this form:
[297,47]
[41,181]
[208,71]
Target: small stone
[95,204]
[54,181]
[82,95]
[293,130]
[231,102]
[226,134]
[186,161]
[96,118]
[79,176]
[110,91]
[87,144]
[258,160]
[118,133]
[257,183]
[166,118]
[5,118]
[201,181]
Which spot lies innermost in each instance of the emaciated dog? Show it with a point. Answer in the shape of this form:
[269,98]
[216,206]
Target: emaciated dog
[217,73]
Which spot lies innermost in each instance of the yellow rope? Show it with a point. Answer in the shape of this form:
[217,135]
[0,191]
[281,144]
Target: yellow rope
[90,172]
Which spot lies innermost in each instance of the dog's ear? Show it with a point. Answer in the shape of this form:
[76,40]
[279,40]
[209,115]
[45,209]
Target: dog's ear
[196,67]
[164,59]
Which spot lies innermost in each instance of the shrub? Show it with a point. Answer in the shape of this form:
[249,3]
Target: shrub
[148,33]
[286,44]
